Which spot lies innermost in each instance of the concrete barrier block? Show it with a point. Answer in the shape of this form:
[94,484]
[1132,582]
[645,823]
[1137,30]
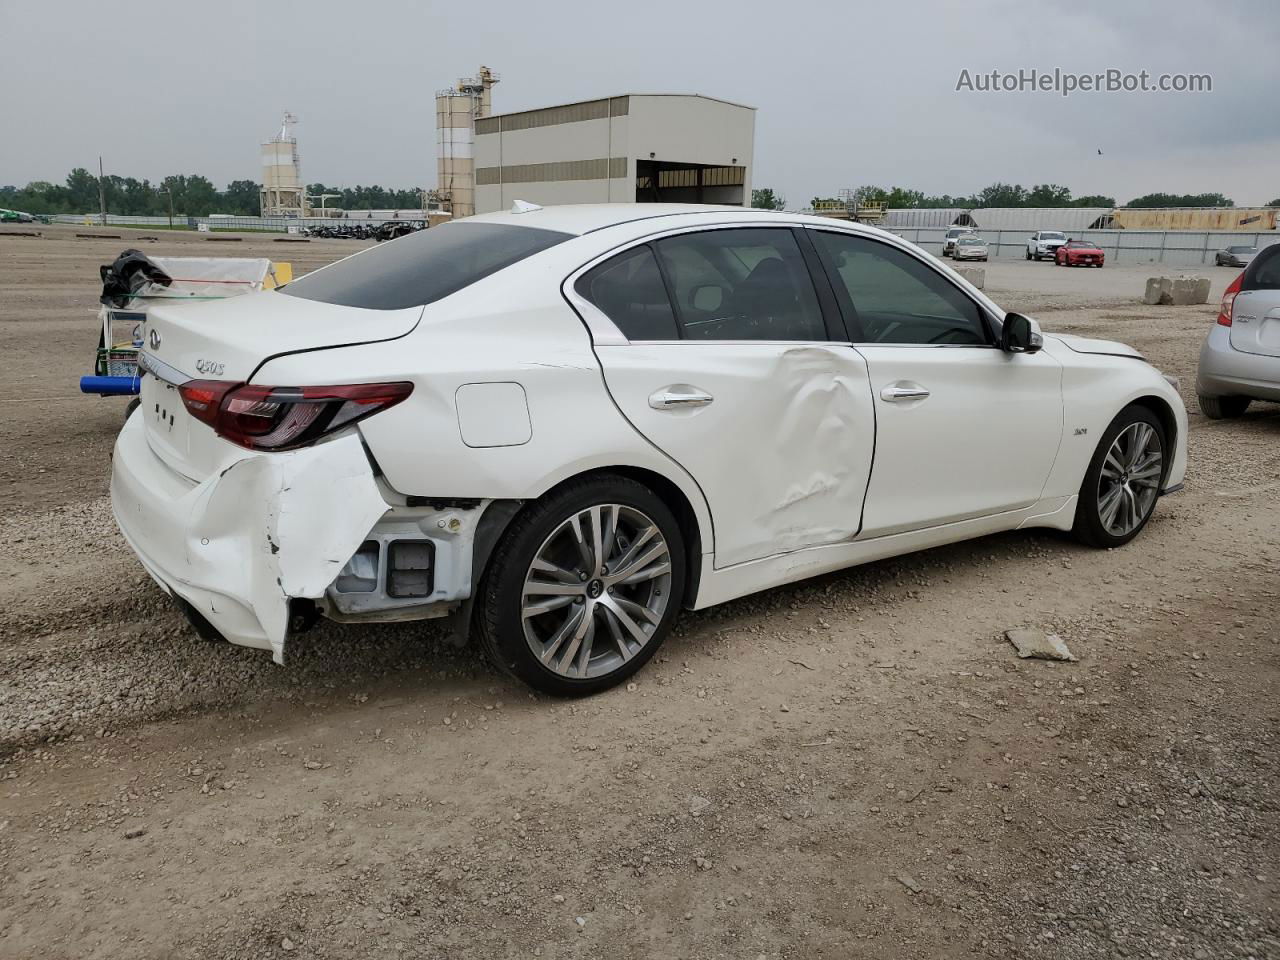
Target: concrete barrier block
[975,275]
[1178,291]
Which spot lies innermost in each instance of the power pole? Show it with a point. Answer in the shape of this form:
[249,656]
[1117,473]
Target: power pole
[102,193]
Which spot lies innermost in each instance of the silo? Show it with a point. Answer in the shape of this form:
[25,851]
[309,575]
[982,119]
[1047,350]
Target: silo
[283,193]
[457,109]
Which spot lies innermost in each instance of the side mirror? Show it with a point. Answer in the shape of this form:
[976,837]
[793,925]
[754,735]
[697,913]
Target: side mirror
[1019,334]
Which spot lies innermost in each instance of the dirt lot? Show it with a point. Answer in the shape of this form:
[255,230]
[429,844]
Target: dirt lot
[857,766]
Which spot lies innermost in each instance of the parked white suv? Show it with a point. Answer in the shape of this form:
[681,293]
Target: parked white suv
[1044,244]
[952,235]
[563,425]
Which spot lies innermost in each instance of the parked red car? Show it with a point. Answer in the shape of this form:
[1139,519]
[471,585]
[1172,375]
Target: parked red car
[1079,253]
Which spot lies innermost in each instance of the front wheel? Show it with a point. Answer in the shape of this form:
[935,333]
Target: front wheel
[1122,483]
[584,586]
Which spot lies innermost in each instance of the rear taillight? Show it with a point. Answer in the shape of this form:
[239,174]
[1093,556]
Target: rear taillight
[283,418]
[1228,301]
[1224,312]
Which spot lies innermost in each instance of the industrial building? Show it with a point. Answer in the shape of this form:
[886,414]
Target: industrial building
[674,148]
[283,193]
[1249,219]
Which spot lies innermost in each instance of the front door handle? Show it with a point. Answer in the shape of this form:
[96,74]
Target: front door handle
[679,396]
[897,393]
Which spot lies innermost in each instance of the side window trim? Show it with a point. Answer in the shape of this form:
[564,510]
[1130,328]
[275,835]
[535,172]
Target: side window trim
[832,317]
[846,303]
[676,309]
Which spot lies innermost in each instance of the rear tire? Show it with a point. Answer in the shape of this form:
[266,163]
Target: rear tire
[1122,484]
[1028,254]
[1223,408]
[550,610]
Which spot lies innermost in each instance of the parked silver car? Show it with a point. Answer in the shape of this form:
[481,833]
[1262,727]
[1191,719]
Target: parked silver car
[1240,359]
[969,248]
[1234,256]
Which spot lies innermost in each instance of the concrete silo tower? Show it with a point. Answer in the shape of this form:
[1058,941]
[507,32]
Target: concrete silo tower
[457,110]
[283,193]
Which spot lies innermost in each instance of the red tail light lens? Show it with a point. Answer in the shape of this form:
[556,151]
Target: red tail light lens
[1228,300]
[284,418]
[1224,312]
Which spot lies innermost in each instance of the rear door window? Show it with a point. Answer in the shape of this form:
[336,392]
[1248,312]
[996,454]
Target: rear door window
[1263,272]
[743,283]
[423,267]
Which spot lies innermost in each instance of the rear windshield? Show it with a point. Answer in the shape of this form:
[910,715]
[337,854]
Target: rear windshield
[1263,272]
[423,267]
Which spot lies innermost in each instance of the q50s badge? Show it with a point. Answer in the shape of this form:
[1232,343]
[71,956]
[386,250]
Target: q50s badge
[210,367]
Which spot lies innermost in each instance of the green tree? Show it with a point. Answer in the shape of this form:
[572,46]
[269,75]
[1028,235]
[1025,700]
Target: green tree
[241,198]
[82,191]
[1002,195]
[765,199]
[1274,203]
[1182,200]
[1094,200]
[1048,195]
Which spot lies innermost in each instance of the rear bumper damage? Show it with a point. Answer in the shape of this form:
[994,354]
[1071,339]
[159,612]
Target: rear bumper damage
[270,528]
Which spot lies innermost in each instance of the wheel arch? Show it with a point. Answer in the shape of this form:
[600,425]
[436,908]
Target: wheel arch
[501,514]
[1168,421]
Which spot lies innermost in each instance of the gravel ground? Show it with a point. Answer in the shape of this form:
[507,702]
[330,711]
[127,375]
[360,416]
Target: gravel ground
[856,766]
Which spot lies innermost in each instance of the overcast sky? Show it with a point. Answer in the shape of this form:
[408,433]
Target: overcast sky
[849,93]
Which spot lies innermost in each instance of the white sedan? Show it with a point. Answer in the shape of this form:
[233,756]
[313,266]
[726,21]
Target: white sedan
[560,426]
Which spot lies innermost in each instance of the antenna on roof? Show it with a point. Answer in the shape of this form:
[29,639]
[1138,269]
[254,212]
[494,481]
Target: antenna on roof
[524,206]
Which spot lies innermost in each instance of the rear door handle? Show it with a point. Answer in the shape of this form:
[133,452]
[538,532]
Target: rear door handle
[679,396]
[897,393]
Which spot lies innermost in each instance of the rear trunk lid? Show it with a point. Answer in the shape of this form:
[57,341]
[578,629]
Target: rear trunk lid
[1255,322]
[228,340]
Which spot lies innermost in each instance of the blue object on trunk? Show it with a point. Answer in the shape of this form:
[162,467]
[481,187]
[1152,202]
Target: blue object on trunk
[111,386]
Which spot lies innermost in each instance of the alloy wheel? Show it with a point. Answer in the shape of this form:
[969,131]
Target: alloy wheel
[1130,478]
[596,591]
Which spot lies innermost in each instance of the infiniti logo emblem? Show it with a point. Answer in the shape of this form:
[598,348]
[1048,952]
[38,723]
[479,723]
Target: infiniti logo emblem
[154,338]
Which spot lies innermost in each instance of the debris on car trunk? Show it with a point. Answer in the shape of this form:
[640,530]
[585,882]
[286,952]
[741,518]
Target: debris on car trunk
[1038,644]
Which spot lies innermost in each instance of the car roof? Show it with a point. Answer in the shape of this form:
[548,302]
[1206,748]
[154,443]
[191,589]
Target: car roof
[583,218]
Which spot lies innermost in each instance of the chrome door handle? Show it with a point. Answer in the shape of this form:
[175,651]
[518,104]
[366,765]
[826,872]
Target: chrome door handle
[677,397]
[895,394]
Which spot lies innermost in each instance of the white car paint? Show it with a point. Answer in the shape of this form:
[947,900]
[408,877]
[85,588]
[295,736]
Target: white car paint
[797,466]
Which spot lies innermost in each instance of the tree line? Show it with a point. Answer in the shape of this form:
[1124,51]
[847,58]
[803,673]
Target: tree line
[191,195]
[1001,195]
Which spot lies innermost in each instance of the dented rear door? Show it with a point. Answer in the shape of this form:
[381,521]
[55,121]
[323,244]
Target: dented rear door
[779,436]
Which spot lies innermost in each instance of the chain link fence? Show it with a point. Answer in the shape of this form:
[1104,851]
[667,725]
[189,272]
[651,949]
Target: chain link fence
[1178,248]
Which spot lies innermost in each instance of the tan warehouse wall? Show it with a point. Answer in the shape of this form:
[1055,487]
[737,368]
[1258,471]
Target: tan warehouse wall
[1250,219]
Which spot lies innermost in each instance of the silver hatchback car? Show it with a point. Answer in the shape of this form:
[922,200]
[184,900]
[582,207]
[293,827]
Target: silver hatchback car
[1240,359]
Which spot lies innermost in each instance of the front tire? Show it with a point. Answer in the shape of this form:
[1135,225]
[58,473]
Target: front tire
[1122,484]
[1223,408]
[584,586]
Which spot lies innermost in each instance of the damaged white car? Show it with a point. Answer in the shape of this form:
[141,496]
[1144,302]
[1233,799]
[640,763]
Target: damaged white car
[560,426]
